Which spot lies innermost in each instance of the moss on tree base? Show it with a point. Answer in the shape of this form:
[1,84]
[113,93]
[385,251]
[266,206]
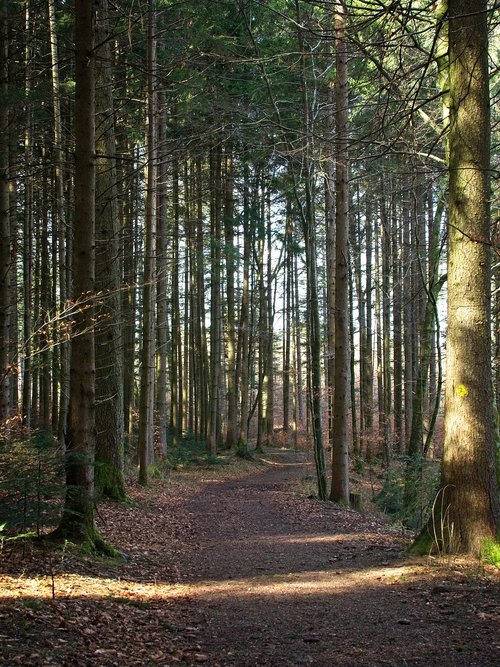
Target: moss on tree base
[110,481]
[87,538]
[422,545]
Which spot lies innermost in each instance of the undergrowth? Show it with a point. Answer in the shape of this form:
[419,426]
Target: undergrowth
[190,452]
[491,553]
[31,484]
[391,498]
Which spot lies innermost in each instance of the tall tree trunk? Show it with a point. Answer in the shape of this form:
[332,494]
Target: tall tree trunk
[330,273]
[14,251]
[201,335]
[4,218]
[176,347]
[314,383]
[468,482]
[386,328]
[27,233]
[109,473]
[244,322]
[45,370]
[229,221]
[298,391]
[77,521]
[60,220]
[146,398]
[340,442]
[215,301]
[129,302]
[287,337]
[397,290]
[407,324]
[263,359]
[368,357]
[269,435]
[162,282]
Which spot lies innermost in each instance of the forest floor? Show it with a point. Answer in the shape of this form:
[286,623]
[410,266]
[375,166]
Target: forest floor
[236,565]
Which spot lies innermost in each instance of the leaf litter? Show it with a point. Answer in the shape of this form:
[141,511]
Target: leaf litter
[235,565]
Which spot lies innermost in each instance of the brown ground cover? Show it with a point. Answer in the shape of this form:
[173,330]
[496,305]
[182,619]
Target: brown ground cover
[235,565]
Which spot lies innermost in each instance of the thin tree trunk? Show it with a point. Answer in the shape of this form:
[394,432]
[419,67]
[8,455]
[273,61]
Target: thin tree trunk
[287,338]
[129,303]
[231,432]
[397,290]
[176,351]
[60,220]
[330,280]
[27,234]
[146,397]
[4,218]
[386,329]
[161,281]
[215,317]
[244,323]
[314,383]
[407,324]
[357,282]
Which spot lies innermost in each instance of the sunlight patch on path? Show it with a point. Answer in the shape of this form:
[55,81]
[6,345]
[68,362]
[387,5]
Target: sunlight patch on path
[308,583]
[79,586]
[265,585]
[373,539]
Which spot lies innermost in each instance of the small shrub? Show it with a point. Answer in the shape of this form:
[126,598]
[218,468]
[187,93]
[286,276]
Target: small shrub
[393,500]
[190,451]
[31,483]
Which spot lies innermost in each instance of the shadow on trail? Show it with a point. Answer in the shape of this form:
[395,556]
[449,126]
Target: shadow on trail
[249,573]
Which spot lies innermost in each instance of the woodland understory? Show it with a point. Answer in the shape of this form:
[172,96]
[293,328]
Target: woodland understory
[232,562]
[228,228]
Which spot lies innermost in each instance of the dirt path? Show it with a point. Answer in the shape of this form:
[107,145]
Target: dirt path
[240,569]
[280,580]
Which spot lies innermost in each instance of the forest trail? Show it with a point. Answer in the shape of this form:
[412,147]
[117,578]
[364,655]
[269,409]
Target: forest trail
[238,567]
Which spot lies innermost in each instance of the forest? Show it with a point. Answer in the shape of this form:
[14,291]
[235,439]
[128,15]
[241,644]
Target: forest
[234,232]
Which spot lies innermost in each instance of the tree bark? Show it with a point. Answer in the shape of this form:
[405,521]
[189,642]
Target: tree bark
[146,398]
[468,482]
[4,219]
[109,335]
[340,443]
[77,521]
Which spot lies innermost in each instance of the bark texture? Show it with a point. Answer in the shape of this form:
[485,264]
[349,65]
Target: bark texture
[469,484]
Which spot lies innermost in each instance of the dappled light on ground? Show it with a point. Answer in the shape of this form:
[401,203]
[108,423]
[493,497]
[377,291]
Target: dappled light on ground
[69,586]
[233,566]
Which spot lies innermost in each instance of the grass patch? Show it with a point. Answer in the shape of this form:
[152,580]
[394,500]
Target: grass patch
[490,553]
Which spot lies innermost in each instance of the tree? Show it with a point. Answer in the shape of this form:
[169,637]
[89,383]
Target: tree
[59,211]
[146,399]
[77,521]
[340,444]
[469,492]
[4,219]
[108,342]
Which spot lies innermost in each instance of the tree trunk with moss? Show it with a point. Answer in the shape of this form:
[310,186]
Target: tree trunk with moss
[109,339]
[77,521]
[469,491]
